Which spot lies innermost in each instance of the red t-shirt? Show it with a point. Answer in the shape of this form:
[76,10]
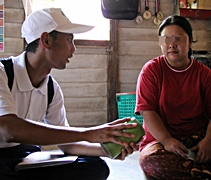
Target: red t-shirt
[181,98]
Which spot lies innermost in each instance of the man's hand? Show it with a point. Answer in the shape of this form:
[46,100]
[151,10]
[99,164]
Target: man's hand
[110,131]
[129,149]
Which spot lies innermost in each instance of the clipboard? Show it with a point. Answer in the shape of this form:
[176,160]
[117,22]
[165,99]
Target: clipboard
[44,159]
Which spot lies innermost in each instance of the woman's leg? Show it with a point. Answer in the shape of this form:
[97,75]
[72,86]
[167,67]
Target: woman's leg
[157,162]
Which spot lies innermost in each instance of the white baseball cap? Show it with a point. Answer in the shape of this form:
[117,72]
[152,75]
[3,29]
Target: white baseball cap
[47,20]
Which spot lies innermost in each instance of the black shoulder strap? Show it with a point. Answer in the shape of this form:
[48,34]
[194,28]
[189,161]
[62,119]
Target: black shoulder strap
[8,66]
[50,90]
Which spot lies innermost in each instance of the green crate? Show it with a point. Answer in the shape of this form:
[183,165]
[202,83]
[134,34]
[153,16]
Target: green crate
[126,105]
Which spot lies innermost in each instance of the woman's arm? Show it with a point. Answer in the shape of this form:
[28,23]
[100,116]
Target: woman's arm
[160,133]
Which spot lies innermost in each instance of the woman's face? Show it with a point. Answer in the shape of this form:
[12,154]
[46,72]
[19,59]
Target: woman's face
[175,44]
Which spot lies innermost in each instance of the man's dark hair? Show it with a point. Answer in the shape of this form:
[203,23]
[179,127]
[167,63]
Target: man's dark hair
[32,47]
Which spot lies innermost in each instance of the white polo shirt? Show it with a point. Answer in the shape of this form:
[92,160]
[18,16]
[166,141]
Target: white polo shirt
[27,101]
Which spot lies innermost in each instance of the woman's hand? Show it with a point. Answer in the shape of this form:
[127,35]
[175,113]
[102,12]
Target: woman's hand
[176,147]
[203,149]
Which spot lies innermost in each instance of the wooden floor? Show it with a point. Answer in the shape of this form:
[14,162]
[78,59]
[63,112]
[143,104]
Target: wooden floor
[128,169]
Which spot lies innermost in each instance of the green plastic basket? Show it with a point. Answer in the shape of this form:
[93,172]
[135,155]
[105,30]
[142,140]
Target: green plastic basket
[126,105]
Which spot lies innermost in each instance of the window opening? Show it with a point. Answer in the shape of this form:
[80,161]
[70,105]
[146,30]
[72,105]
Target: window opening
[80,11]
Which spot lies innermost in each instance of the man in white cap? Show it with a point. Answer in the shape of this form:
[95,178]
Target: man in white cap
[26,118]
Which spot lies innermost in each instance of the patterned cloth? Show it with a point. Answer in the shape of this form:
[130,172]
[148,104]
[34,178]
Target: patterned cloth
[158,163]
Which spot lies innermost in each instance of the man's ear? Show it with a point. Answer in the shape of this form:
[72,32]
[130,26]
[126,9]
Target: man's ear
[44,39]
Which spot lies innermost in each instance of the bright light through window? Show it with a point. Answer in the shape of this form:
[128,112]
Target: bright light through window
[81,11]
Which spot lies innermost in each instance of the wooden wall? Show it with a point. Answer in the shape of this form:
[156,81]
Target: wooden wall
[14,17]
[85,81]
[84,84]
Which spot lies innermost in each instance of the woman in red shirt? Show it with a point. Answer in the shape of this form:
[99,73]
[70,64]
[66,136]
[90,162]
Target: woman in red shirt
[173,96]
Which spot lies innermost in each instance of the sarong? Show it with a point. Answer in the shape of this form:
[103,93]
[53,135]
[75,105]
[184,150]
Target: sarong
[158,163]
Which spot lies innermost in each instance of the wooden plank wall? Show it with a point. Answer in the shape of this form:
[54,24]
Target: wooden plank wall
[84,84]
[14,17]
[138,43]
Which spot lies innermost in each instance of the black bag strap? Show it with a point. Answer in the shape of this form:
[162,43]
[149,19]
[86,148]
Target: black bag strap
[8,66]
[50,90]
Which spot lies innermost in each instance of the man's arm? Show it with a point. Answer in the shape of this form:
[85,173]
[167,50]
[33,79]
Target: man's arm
[95,149]
[15,129]
[83,148]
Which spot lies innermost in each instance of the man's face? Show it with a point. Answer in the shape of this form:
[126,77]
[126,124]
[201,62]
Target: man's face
[61,50]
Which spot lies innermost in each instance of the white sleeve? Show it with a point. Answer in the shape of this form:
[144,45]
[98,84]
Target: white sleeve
[7,105]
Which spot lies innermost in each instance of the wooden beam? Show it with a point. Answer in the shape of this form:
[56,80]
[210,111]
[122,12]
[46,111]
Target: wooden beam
[113,72]
[27,7]
[91,42]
